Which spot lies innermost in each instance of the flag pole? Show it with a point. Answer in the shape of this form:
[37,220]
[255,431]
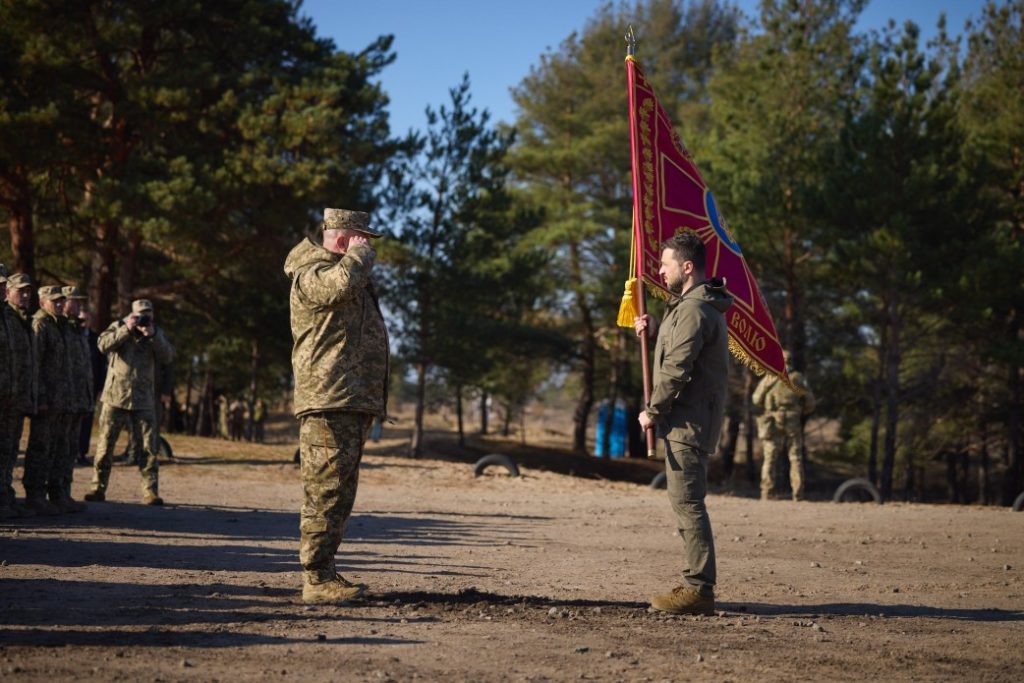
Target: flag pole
[641,290]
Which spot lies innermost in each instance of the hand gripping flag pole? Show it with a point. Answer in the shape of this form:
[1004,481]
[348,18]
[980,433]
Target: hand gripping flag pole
[669,197]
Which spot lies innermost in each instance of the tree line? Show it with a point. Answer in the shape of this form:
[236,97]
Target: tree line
[875,182]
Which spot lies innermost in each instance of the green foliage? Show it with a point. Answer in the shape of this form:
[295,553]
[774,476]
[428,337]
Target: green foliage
[181,149]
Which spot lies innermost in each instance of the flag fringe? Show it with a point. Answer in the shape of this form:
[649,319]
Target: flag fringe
[745,358]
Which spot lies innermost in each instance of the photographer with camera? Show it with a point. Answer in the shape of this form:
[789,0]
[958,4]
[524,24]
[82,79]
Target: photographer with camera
[135,348]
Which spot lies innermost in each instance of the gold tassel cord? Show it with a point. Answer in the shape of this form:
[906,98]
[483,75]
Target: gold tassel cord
[628,308]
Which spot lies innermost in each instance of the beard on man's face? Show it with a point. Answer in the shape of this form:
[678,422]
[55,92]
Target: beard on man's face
[675,286]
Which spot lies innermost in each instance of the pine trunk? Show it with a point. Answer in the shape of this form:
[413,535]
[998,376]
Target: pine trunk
[458,415]
[23,238]
[892,405]
[101,282]
[416,447]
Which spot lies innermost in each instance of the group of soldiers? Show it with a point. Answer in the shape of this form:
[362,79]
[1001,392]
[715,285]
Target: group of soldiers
[47,375]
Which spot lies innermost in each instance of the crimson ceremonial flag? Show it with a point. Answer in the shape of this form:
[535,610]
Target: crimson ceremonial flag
[670,196]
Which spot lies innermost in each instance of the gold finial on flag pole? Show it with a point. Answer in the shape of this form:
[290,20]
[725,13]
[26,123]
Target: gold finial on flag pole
[630,41]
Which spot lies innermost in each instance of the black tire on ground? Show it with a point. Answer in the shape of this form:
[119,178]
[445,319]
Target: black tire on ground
[298,456]
[857,490]
[496,459]
[1018,505]
[659,481]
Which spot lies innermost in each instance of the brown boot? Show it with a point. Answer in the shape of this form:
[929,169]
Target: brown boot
[69,504]
[24,510]
[334,591]
[152,499]
[41,506]
[684,600]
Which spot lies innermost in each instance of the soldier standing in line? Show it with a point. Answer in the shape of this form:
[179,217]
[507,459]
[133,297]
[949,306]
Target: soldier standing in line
[98,371]
[135,347]
[48,435]
[21,365]
[340,360]
[687,407]
[259,416]
[223,429]
[81,393]
[781,428]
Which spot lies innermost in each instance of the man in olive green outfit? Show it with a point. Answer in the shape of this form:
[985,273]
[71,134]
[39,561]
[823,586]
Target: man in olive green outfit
[781,427]
[686,408]
[21,373]
[340,361]
[48,434]
[135,347]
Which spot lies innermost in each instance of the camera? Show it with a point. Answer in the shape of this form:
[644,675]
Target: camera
[144,320]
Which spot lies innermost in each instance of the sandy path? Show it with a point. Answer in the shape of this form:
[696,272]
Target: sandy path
[540,578]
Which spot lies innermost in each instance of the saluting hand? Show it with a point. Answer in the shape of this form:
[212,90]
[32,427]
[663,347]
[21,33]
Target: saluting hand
[357,239]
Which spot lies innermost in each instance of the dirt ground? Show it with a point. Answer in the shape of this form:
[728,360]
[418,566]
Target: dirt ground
[544,577]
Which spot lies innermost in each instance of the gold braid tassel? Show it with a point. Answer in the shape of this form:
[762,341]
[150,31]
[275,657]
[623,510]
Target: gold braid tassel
[627,308]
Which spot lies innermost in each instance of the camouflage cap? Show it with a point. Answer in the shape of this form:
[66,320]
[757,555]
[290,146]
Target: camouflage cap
[19,280]
[343,219]
[73,293]
[51,293]
[142,306]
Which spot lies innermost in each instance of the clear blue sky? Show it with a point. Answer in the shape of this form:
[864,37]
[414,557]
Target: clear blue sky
[497,42]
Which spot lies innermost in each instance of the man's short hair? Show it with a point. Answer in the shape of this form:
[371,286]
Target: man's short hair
[687,247]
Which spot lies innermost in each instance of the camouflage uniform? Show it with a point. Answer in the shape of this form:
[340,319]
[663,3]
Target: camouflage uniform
[48,436]
[340,361]
[21,372]
[129,398]
[81,396]
[780,428]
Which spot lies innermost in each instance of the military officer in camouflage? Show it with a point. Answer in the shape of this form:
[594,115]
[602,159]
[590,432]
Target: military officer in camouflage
[780,428]
[80,399]
[135,347]
[687,407]
[47,439]
[19,401]
[6,399]
[340,360]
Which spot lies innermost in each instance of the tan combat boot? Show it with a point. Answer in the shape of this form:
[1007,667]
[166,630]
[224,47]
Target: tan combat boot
[334,591]
[152,499]
[684,600]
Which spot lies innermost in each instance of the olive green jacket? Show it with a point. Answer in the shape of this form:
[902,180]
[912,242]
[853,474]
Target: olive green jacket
[22,369]
[691,368]
[132,362]
[53,392]
[340,355]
